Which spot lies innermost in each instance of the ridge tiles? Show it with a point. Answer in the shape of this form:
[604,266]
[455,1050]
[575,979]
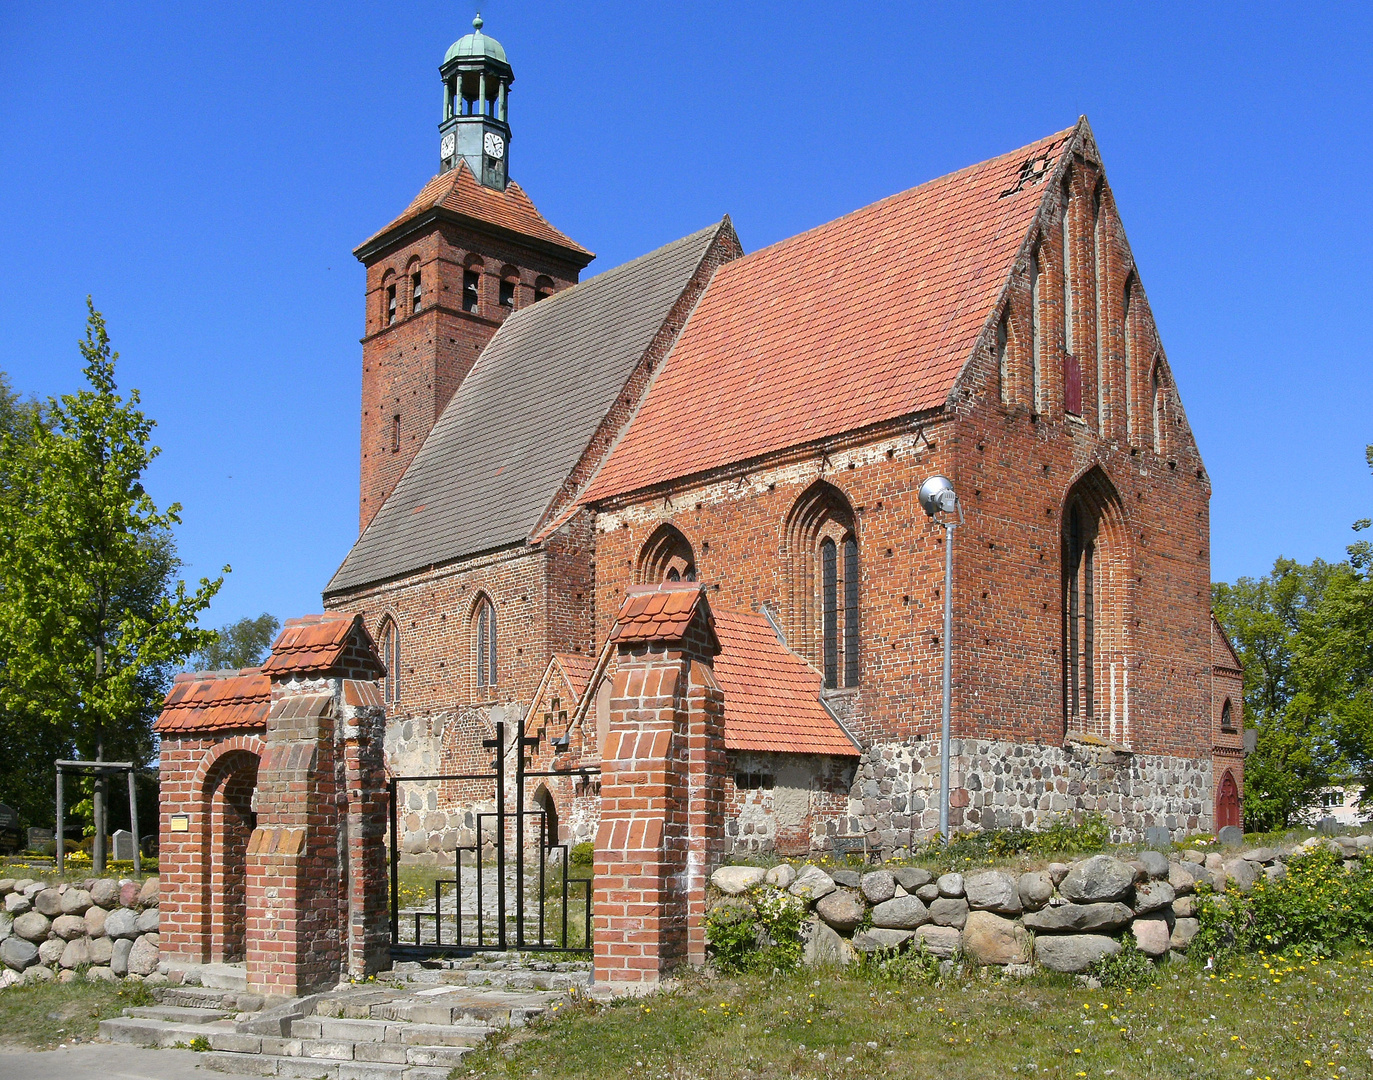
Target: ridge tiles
[867,318]
[657,613]
[310,643]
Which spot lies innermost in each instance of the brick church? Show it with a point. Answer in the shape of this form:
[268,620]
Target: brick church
[548,459]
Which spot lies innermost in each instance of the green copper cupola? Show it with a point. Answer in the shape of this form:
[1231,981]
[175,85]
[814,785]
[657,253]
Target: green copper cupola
[476,119]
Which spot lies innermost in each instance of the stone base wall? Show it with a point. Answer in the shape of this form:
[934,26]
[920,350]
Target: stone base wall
[776,802]
[895,795]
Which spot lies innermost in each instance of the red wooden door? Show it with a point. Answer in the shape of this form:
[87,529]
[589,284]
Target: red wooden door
[1228,802]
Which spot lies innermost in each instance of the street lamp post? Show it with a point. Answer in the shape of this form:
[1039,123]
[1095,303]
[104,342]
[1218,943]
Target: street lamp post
[937,497]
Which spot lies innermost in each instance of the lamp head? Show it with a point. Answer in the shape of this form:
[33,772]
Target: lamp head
[937,494]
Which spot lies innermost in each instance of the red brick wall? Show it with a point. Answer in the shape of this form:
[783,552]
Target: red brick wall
[411,367]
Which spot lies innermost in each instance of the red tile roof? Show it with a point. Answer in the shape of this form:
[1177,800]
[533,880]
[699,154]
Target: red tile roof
[865,319]
[457,190]
[310,643]
[578,667]
[772,696]
[216,701]
[656,613]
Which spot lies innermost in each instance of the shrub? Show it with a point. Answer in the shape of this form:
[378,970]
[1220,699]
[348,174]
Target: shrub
[1129,969]
[971,849]
[760,931]
[894,965]
[1319,905]
[583,854]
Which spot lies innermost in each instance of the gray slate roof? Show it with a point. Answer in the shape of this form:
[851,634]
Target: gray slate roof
[519,422]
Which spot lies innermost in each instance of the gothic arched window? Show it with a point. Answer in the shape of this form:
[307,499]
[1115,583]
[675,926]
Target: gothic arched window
[1227,716]
[822,550]
[665,556]
[416,283]
[388,298]
[1096,576]
[484,643]
[389,634]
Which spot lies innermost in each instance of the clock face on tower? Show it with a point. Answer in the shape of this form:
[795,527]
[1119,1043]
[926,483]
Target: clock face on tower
[447,146]
[494,146]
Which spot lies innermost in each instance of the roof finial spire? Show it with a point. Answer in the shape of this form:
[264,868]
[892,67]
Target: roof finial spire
[477,23]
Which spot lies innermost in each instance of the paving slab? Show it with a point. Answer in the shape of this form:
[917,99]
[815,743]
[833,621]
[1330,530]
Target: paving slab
[102,1062]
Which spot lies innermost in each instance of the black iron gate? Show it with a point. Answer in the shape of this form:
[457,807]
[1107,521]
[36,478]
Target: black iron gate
[505,892]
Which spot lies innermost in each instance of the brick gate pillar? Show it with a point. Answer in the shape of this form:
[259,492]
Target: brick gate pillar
[663,768]
[316,868]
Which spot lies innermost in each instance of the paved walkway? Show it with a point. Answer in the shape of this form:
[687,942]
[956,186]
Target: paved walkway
[102,1061]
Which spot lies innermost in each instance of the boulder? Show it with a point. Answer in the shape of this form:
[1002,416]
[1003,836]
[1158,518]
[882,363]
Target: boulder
[1276,872]
[1036,889]
[17,903]
[105,893]
[1152,935]
[1196,858]
[128,894]
[1079,918]
[1153,896]
[69,926]
[1098,879]
[1181,878]
[1231,836]
[1057,871]
[6,886]
[1184,930]
[32,926]
[878,886]
[900,913]
[147,895]
[75,902]
[50,951]
[100,974]
[49,902]
[101,949]
[143,956]
[76,954]
[17,953]
[781,875]
[121,923]
[147,921]
[1218,879]
[1185,907]
[1155,864]
[842,910]
[991,939]
[22,885]
[6,926]
[119,957]
[1261,855]
[38,974]
[1214,862]
[823,947]
[993,890]
[847,878]
[733,880]
[812,883]
[928,893]
[950,885]
[95,921]
[949,912]
[1074,953]
[33,888]
[911,878]
[939,941]
[879,938]
[1242,873]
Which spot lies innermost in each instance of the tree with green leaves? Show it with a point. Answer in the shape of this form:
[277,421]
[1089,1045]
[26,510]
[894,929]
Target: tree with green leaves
[240,644]
[93,617]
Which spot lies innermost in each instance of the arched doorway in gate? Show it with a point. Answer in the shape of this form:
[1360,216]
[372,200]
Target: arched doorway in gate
[1228,803]
[227,795]
[543,802]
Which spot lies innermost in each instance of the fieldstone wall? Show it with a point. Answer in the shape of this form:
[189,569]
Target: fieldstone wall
[104,928]
[895,795]
[1064,917]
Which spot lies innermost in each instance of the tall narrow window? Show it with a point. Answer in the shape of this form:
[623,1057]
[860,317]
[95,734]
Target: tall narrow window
[1099,276]
[1081,602]
[1036,333]
[1003,366]
[416,292]
[507,294]
[1158,394]
[470,296]
[390,304]
[390,657]
[486,645]
[850,611]
[1227,716]
[829,605]
[1066,203]
[395,433]
[1127,333]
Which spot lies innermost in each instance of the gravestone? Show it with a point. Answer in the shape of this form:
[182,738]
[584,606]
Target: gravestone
[1327,826]
[39,837]
[122,846]
[1231,836]
[1158,837]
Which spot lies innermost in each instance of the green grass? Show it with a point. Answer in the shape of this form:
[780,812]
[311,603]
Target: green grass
[46,1015]
[1269,1017]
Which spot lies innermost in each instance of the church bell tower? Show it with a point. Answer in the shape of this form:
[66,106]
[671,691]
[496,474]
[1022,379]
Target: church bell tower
[476,102]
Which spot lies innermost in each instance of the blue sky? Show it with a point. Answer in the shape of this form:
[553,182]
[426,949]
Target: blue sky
[205,170]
